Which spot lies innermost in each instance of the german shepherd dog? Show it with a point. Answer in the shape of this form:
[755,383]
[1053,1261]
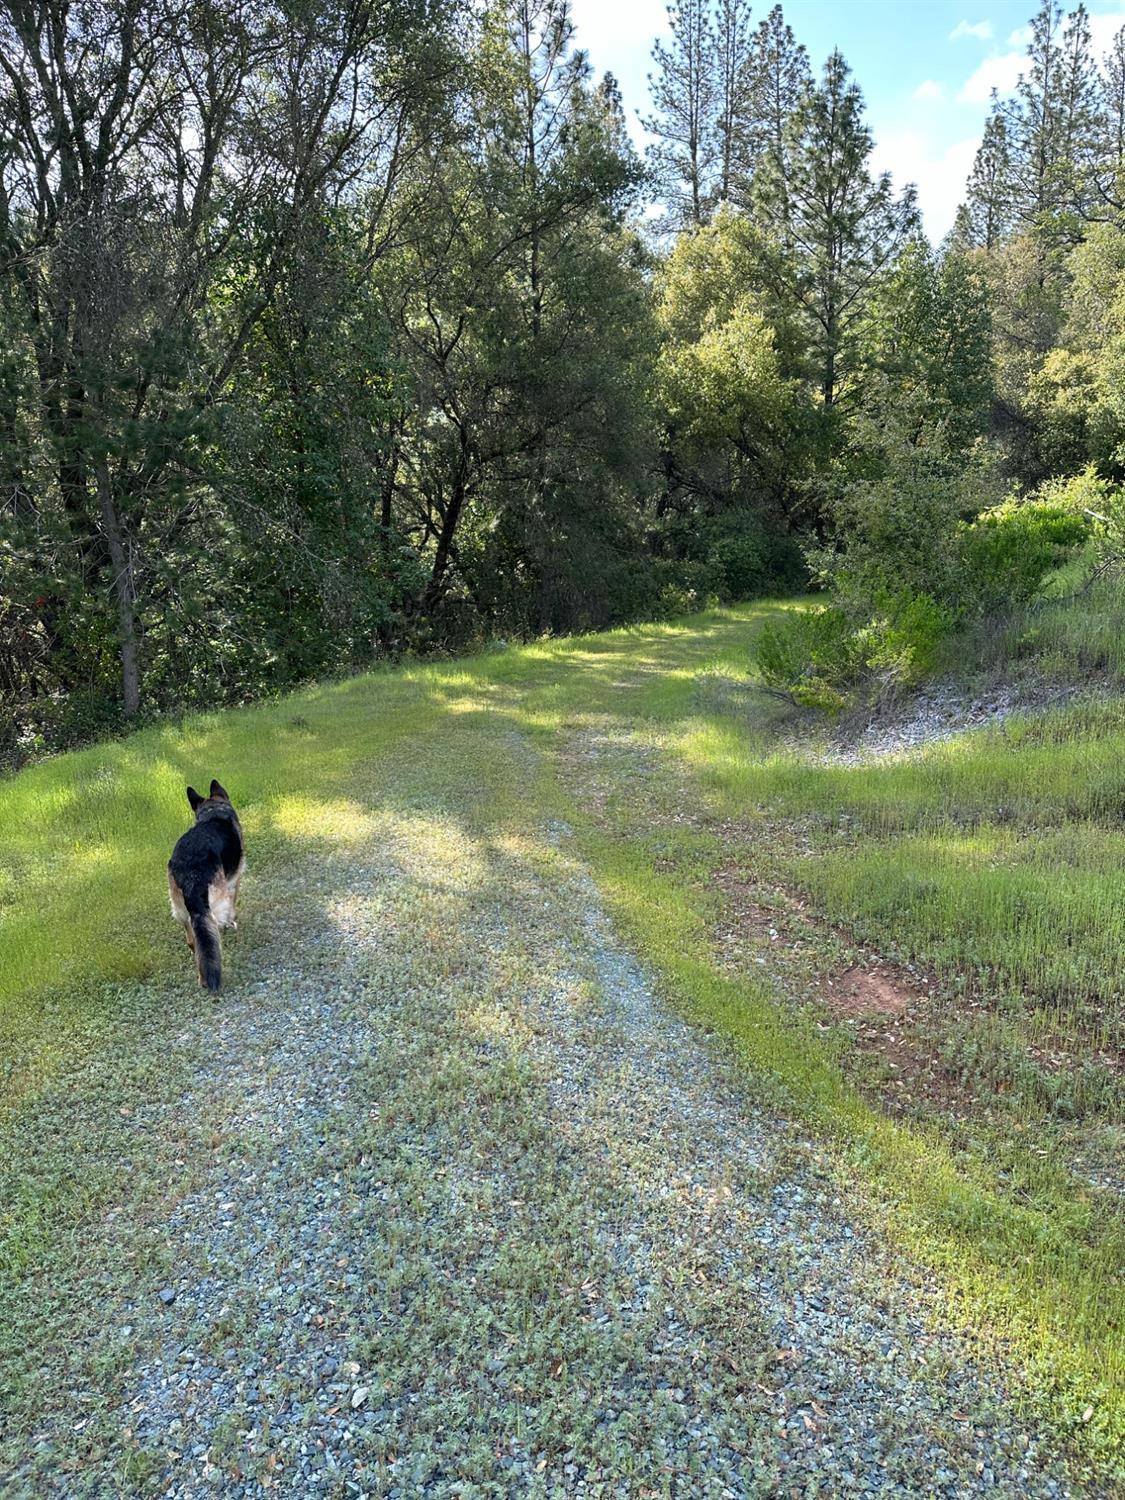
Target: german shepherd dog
[203,875]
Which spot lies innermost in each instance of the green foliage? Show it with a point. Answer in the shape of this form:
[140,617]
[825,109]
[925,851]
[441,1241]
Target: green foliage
[919,551]
[901,643]
[1076,637]
[739,427]
[911,573]
[833,227]
[1009,550]
[814,657]
[737,420]
[897,531]
[434,384]
[1062,397]
[405,403]
[822,656]
[929,334]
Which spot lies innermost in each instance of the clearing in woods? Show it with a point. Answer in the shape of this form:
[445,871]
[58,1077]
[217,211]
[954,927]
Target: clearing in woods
[610,1096]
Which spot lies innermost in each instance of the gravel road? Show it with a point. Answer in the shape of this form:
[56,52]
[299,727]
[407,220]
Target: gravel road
[471,1214]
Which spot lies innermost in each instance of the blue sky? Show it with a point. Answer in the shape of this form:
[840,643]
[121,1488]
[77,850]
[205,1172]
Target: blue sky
[926,68]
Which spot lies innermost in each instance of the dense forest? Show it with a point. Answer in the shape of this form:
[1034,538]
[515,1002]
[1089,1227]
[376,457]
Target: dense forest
[338,328]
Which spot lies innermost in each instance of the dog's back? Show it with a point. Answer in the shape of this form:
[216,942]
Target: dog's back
[203,876]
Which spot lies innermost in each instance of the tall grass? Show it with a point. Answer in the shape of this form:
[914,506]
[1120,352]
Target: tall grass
[1076,631]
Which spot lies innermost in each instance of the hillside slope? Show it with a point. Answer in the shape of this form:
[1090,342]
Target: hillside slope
[444,1195]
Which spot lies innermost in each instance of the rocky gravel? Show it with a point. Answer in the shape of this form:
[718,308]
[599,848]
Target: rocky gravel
[938,712]
[474,1214]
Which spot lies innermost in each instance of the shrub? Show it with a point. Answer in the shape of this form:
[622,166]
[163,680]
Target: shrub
[741,559]
[1102,506]
[1007,551]
[821,656]
[734,555]
[920,549]
[813,657]
[898,532]
[901,644]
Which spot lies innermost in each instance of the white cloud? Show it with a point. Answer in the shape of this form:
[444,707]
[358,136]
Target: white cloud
[930,89]
[633,26]
[940,176]
[981,30]
[1104,27]
[1000,73]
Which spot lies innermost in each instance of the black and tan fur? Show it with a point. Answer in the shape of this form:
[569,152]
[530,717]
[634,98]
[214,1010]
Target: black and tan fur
[203,875]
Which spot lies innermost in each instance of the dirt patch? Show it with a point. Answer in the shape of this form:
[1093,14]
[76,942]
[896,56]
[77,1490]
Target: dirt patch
[861,992]
[886,1009]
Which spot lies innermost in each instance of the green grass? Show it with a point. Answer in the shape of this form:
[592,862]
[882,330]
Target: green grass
[995,862]
[87,837]
[1077,630]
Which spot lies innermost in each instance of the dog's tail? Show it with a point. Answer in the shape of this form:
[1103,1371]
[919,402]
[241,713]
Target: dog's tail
[208,949]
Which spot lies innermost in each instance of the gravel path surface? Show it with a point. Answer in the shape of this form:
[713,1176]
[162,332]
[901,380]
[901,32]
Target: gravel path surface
[939,712]
[475,1216]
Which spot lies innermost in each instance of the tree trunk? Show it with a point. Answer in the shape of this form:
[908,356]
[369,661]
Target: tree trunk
[832,344]
[386,502]
[444,546]
[123,594]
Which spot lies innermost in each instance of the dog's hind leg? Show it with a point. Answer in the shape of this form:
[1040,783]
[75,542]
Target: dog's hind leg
[221,899]
[232,884]
[180,911]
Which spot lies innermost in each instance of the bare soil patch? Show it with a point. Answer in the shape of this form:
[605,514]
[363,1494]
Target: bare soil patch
[859,992]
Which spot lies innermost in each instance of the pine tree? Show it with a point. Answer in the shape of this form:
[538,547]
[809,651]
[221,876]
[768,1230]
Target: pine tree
[1112,119]
[929,334]
[988,200]
[1053,126]
[733,77]
[1032,117]
[844,227]
[685,96]
[960,237]
[780,77]
[1080,118]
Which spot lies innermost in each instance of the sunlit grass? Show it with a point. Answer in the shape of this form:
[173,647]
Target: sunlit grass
[87,835]
[999,855]
[995,861]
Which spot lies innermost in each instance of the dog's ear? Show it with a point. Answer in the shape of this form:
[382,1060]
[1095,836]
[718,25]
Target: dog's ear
[193,797]
[217,791]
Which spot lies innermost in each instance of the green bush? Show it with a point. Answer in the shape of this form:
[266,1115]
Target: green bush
[1008,551]
[741,558]
[899,532]
[1102,506]
[820,657]
[813,657]
[55,722]
[732,556]
[916,557]
[676,599]
[901,644]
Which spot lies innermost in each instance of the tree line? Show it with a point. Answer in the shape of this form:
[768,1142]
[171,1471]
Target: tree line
[336,328]
[1043,226]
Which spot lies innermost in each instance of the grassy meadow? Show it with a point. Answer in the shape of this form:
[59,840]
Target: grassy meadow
[748,873]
